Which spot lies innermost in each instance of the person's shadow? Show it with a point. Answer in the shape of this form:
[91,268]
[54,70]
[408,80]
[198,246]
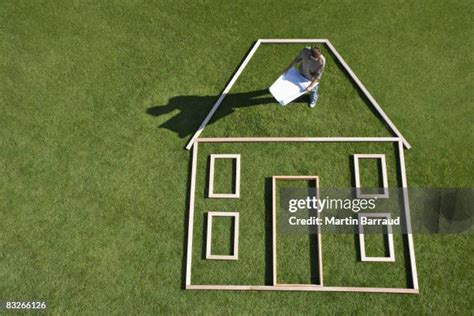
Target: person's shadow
[193,109]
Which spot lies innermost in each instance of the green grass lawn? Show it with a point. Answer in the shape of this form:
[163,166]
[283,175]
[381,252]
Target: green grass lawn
[98,101]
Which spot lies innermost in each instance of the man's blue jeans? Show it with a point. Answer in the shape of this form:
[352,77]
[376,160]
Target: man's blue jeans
[314,95]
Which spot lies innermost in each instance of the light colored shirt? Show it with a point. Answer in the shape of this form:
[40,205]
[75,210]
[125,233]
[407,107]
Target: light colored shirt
[310,68]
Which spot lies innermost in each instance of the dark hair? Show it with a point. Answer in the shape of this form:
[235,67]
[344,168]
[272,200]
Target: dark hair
[315,50]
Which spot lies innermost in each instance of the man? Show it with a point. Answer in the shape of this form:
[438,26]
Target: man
[311,65]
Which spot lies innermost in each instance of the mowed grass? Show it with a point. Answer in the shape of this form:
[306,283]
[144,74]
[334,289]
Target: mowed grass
[97,102]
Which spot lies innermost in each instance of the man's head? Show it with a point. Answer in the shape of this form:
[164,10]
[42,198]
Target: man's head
[315,52]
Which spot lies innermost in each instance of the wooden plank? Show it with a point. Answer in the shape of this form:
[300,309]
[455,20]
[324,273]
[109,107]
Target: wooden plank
[293,40]
[367,94]
[209,235]
[296,178]
[274,241]
[236,235]
[223,95]
[309,288]
[297,285]
[189,250]
[210,185]
[237,176]
[297,139]
[411,247]
[320,243]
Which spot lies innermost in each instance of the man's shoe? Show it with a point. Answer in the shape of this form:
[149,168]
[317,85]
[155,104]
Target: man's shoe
[312,104]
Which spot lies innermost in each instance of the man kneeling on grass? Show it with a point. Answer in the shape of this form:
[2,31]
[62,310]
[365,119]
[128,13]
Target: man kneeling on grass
[311,65]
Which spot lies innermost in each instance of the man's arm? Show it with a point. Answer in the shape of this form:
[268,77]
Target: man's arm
[312,84]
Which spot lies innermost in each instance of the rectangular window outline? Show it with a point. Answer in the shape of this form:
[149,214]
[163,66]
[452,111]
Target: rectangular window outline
[391,250]
[359,194]
[234,195]
[235,250]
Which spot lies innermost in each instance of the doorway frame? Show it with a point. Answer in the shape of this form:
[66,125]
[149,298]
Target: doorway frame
[274,231]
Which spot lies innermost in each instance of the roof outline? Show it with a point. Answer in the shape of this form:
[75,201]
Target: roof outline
[384,117]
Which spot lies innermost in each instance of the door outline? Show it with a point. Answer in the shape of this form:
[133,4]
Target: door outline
[274,231]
